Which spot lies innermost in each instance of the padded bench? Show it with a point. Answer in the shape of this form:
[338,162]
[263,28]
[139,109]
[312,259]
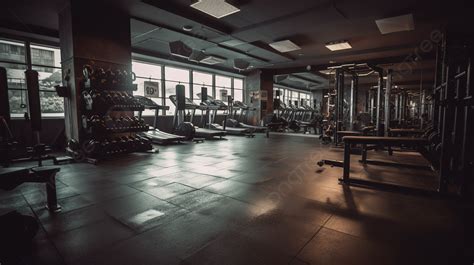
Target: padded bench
[13,176]
[381,141]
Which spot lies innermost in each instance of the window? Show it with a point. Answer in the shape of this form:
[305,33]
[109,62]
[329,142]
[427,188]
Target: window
[16,89]
[201,80]
[175,76]
[170,76]
[51,103]
[223,87]
[238,89]
[146,72]
[46,61]
[294,97]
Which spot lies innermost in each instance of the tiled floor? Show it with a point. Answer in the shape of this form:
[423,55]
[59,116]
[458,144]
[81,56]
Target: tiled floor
[242,201]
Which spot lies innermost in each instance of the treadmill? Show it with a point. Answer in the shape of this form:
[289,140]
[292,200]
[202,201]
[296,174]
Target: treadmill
[213,105]
[244,107]
[200,132]
[156,136]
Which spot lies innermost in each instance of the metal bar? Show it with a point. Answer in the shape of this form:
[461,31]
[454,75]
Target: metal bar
[422,108]
[364,153]
[347,161]
[387,102]
[336,109]
[34,65]
[353,104]
[378,124]
[51,195]
[397,102]
[390,187]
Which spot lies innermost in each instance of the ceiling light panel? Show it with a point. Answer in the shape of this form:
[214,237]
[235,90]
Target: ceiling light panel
[232,43]
[396,24]
[285,46]
[215,8]
[212,59]
[337,46]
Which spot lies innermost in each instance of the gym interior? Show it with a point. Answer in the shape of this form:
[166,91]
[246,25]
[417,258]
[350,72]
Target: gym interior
[236,132]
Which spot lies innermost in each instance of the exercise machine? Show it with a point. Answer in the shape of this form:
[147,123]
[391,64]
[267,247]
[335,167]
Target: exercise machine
[209,108]
[187,128]
[232,121]
[154,134]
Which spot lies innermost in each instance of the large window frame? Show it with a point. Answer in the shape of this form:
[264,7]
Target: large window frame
[193,87]
[28,60]
[49,75]
[287,94]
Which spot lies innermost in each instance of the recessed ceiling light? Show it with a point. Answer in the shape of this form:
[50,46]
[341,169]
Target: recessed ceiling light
[300,54]
[338,45]
[332,61]
[284,46]
[232,43]
[187,28]
[396,24]
[213,59]
[215,8]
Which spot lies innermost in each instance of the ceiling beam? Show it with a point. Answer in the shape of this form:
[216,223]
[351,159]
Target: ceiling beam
[316,68]
[179,31]
[181,60]
[305,79]
[29,29]
[210,23]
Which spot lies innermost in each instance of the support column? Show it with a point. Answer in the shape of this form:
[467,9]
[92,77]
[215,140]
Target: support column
[92,33]
[259,91]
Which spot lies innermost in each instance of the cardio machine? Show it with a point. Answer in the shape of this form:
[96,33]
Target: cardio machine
[233,122]
[155,135]
[210,106]
[185,128]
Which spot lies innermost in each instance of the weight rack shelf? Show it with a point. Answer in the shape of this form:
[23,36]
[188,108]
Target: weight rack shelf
[107,94]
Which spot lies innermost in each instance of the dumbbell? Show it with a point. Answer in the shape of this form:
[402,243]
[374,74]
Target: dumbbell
[120,124]
[129,77]
[110,78]
[99,76]
[93,147]
[121,144]
[87,72]
[109,123]
[119,77]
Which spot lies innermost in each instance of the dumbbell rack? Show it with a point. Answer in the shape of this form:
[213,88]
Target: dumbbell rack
[107,107]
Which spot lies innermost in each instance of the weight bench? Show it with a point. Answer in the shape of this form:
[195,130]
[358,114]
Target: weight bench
[380,141]
[13,176]
[405,132]
[341,134]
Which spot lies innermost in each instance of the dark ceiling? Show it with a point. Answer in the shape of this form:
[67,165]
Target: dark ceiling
[308,23]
